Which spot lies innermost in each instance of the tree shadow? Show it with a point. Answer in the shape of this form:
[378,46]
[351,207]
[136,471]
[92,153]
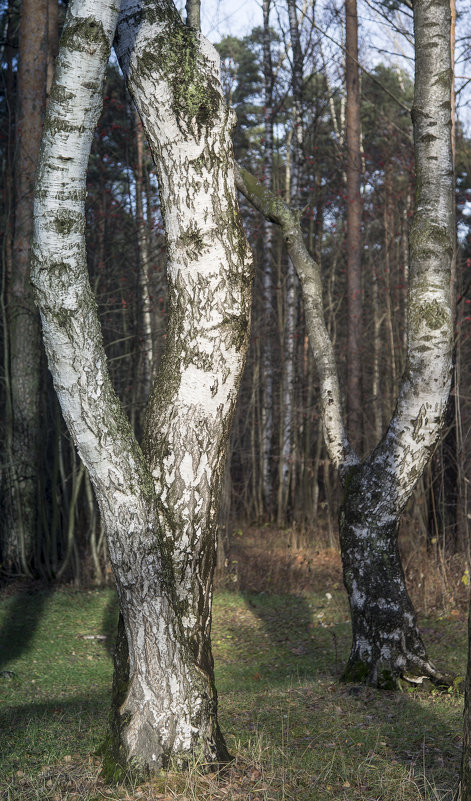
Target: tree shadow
[379,725]
[306,645]
[109,625]
[23,615]
[44,732]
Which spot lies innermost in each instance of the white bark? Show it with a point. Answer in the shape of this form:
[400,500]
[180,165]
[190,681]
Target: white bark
[308,271]
[386,641]
[209,268]
[159,514]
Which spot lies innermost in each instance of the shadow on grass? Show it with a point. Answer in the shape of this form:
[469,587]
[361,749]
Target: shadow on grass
[305,646]
[109,625]
[44,732]
[24,612]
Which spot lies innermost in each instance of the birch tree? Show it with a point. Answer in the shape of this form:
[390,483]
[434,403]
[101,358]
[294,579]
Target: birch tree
[387,646]
[159,500]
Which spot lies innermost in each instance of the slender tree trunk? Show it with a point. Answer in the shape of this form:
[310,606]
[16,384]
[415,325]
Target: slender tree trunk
[267,267]
[388,242]
[354,288]
[376,369]
[159,505]
[144,326]
[290,317]
[24,334]
[52,40]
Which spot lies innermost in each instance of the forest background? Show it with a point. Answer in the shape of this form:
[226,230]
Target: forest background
[278,524]
[278,473]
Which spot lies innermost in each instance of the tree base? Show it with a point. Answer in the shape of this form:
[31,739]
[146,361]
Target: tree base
[416,674]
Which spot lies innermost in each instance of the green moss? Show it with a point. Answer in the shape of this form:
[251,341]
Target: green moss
[356,672]
[175,52]
[59,94]
[427,236]
[434,314]
[65,222]
[386,680]
[83,31]
[55,125]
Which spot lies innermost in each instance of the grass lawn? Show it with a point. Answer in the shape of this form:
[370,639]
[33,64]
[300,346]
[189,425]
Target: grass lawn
[295,731]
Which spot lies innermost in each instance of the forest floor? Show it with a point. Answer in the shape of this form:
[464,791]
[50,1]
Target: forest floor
[281,636]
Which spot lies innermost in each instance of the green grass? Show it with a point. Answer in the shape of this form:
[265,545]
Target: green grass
[296,732]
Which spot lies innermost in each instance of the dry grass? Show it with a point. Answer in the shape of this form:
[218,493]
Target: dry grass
[263,559]
[296,733]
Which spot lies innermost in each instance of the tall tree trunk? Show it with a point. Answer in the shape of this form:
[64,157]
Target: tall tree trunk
[386,643]
[158,505]
[145,356]
[290,317]
[24,334]
[354,288]
[267,267]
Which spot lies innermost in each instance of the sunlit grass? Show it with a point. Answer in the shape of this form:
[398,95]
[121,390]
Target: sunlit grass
[297,734]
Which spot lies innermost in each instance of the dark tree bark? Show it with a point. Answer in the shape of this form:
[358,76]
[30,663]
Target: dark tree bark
[23,319]
[354,204]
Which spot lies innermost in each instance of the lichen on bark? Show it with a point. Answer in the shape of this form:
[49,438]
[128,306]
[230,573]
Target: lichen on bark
[158,504]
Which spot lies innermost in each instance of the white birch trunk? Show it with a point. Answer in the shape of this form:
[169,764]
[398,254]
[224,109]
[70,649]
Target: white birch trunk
[386,643]
[159,510]
[290,317]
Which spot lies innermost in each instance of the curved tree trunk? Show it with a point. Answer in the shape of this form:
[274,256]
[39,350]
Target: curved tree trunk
[373,504]
[386,642]
[159,504]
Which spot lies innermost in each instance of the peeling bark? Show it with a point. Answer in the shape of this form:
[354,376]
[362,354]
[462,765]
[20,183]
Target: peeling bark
[158,504]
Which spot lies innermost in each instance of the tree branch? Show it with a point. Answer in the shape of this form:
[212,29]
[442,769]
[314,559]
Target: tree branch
[277,211]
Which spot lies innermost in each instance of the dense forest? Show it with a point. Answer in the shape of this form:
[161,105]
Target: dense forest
[234,301]
[279,471]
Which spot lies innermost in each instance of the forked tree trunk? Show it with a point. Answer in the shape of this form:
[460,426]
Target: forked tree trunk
[158,505]
[386,643]
[376,492]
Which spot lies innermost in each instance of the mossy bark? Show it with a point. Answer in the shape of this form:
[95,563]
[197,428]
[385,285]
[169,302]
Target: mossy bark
[158,503]
[209,278]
